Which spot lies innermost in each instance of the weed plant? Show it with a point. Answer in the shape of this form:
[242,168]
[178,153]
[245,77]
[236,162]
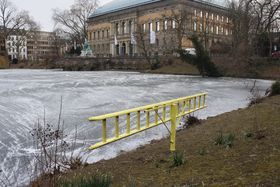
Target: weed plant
[275,89]
[177,159]
[225,140]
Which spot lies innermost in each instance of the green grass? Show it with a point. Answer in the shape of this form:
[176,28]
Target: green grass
[225,140]
[95,181]
[177,159]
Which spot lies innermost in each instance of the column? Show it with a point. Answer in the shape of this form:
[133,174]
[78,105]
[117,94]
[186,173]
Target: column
[112,49]
[120,48]
[127,47]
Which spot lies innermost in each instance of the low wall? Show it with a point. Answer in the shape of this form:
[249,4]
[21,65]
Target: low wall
[92,64]
[3,63]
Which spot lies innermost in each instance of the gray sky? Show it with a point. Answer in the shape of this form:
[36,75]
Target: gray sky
[41,10]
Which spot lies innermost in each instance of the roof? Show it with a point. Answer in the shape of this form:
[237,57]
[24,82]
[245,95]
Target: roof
[118,5]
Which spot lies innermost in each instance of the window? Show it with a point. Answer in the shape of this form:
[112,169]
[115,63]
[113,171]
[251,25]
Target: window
[150,27]
[206,14]
[212,29]
[102,34]
[227,19]
[194,26]
[226,31]
[212,16]
[157,26]
[98,35]
[201,14]
[207,29]
[200,27]
[144,27]
[217,17]
[217,29]
[108,33]
[94,35]
[173,24]
[222,30]
[194,12]
[165,25]
[123,28]
[222,18]
[117,28]
[129,27]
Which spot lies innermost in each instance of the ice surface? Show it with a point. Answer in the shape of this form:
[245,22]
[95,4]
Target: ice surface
[25,94]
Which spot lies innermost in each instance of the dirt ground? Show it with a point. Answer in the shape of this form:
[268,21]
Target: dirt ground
[253,159]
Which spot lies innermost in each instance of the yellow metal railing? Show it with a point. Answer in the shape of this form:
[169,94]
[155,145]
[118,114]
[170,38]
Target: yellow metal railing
[150,116]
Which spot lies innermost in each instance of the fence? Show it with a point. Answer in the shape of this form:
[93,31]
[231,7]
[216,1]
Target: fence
[149,116]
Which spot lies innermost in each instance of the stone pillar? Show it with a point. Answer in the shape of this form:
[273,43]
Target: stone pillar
[112,49]
[120,48]
[127,47]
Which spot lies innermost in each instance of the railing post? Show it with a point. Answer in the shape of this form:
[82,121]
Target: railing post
[173,117]
[204,97]
[128,123]
[156,116]
[104,131]
[164,113]
[148,119]
[117,126]
[138,120]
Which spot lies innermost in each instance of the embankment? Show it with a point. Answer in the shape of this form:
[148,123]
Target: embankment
[252,160]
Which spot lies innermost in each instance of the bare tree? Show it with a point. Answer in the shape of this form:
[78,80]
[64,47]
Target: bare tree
[267,14]
[251,19]
[175,34]
[142,38]
[74,21]
[27,30]
[12,21]
[61,42]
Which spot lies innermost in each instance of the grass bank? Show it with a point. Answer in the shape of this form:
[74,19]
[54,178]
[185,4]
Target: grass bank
[259,68]
[251,159]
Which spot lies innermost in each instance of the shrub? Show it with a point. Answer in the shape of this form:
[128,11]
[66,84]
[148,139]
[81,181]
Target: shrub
[225,140]
[191,120]
[156,64]
[177,159]
[201,60]
[275,88]
[95,181]
[256,96]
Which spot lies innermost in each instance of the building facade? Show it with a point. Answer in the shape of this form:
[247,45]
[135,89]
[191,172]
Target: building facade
[16,47]
[155,27]
[42,46]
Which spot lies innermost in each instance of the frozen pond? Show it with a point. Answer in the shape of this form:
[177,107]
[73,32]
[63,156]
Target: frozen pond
[25,94]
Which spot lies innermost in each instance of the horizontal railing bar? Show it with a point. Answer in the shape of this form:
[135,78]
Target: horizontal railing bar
[147,107]
[122,136]
[191,111]
[135,131]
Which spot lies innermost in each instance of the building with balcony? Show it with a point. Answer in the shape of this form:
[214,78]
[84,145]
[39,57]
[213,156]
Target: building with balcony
[155,27]
[42,46]
[16,47]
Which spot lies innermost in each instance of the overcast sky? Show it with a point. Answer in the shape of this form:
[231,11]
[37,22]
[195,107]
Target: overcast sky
[41,10]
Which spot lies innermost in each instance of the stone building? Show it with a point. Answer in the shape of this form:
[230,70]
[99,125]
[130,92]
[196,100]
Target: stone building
[155,27]
[42,46]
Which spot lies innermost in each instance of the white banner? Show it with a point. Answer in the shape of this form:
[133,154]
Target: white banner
[133,39]
[152,37]
[116,41]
